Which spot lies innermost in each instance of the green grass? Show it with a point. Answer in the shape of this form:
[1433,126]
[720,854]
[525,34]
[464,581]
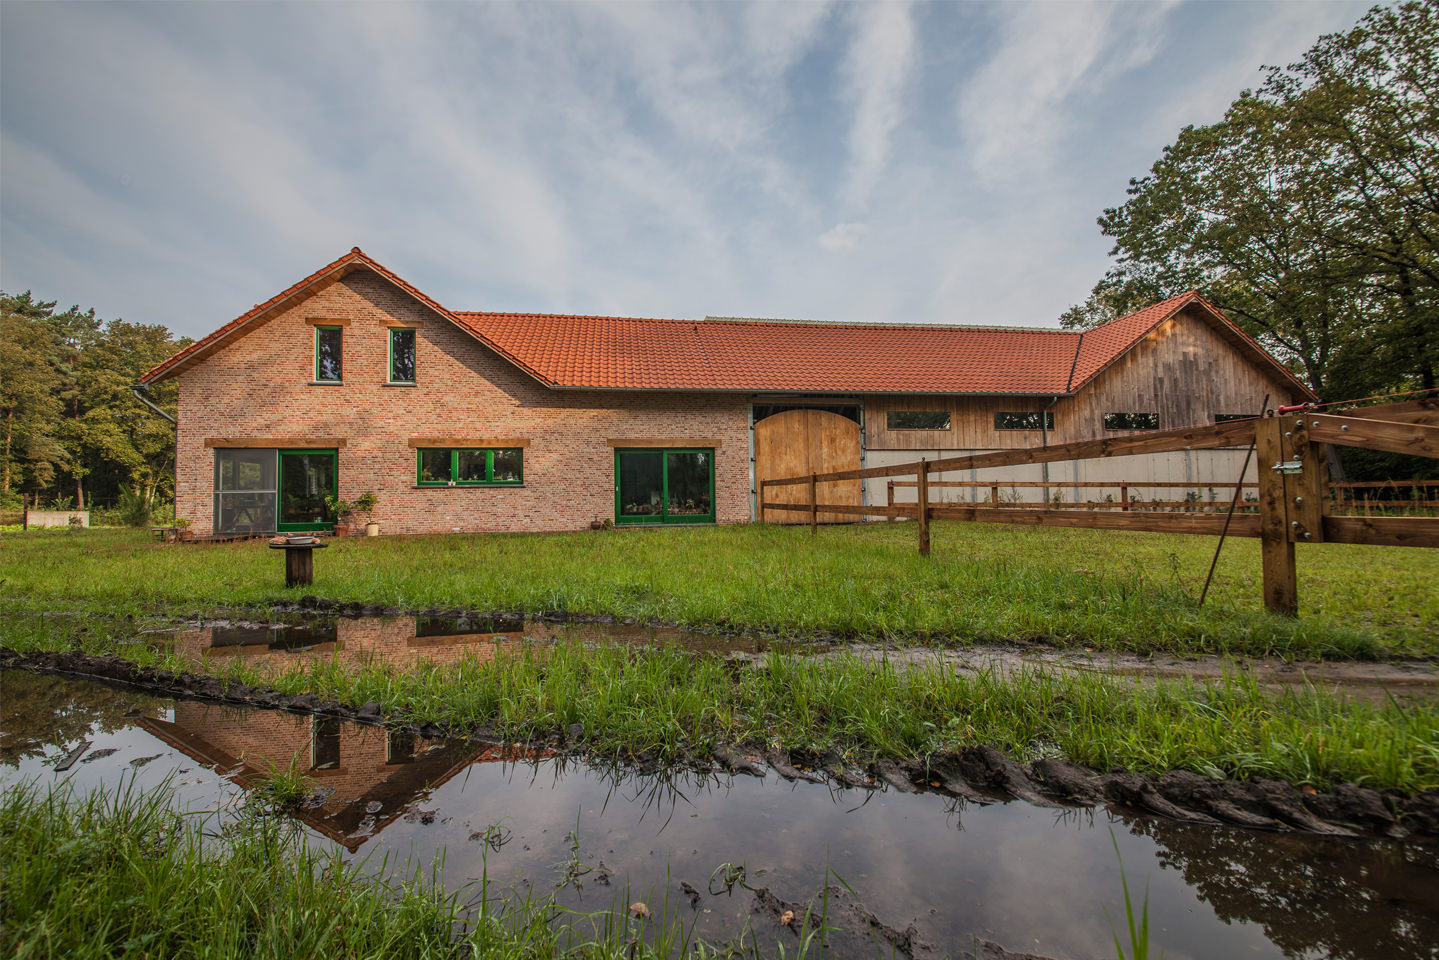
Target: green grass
[983,583]
[122,874]
[669,703]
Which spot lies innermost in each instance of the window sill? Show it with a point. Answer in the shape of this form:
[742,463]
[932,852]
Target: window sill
[399,383]
[327,383]
[468,486]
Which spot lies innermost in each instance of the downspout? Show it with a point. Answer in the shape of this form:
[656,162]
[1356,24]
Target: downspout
[141,392]
[1044,413]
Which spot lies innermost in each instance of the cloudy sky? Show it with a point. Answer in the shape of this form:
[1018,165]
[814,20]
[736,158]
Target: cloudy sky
[939,163]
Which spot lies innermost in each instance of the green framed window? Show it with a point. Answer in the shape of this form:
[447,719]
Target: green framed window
[664,486]
[917,420]
[307,477]
[456,467]
[402,355]
[1028,420]
[1131,421]
[329,354]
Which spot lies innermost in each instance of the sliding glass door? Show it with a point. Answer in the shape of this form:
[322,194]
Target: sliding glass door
[664,486]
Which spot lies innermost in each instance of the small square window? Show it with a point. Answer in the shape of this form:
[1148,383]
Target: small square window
[402,355]
[1131,421]
[917,419]
[1231,417]
[329,349]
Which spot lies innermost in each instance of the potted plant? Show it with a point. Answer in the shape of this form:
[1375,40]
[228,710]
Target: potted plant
[182,528]
[365,506]
[341,510]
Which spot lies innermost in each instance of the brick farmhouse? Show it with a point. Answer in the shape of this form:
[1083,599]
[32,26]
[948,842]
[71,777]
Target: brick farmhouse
[354,381]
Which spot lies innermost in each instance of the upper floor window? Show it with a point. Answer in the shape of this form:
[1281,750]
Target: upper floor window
[917,419]
[1131,421]
[1024,421]
[329,347]
[402,355]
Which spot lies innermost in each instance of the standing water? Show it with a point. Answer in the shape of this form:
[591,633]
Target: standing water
[923,875]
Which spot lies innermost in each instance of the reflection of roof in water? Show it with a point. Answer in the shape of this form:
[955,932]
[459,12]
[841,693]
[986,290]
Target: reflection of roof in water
[394,785]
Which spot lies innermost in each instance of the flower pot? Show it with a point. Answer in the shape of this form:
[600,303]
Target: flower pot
[372,529]
[342,529]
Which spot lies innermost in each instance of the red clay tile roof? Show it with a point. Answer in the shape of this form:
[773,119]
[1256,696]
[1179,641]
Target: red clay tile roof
[624,353]
[757,355]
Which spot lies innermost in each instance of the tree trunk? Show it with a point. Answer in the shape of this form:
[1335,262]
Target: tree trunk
[9,418]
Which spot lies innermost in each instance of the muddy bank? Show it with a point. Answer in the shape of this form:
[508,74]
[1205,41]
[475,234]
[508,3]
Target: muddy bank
[975,774]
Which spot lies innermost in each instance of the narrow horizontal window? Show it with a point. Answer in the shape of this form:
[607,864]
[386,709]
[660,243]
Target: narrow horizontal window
[455,467]
[1024,421]
[329,347]
[917,419]
[402,355]
[1131,421]
[1231,417]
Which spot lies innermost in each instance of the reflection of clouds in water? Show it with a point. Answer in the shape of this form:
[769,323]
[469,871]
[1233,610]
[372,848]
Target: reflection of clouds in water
[1029,878]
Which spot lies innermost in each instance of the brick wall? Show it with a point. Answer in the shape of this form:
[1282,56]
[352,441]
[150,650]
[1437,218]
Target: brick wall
[259,387]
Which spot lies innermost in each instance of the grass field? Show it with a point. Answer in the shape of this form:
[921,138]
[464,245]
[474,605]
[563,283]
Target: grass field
[983,583]
[122,874]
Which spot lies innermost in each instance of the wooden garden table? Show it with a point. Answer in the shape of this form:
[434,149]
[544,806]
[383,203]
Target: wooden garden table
[299,561]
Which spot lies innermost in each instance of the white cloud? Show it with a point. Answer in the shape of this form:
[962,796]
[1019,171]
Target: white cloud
[876,70]
[1048,58]
[843,236]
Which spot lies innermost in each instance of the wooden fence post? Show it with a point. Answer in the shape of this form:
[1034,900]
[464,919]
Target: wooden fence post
[994,495]
[813,506]
[1305,491]
[923,511]
[1124,495]
[1281,592]
[889,499]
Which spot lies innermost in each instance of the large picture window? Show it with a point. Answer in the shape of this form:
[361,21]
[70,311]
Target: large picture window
[245,488]
[664,486]
[329,350]
[917,420]
[455,467]
[402,355]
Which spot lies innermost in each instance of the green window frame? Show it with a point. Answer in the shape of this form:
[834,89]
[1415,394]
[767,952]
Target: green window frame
[917,420]
[444,466]
[666,496]
[339,358]
[403,334]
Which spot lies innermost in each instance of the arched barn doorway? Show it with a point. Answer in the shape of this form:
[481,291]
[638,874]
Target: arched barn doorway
[802,441]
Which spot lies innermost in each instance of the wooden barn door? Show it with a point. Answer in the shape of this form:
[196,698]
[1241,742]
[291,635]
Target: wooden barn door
[799,442]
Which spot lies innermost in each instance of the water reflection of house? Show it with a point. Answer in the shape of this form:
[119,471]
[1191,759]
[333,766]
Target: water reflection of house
[366,775]
[394,641]
[406,641]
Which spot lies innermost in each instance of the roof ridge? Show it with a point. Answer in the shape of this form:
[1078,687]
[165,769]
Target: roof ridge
[763,322]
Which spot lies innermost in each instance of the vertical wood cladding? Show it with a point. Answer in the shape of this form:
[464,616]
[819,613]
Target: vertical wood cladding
[1184,371]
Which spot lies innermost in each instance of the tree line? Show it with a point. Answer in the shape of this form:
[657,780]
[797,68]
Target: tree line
[71,432]
[1309,214]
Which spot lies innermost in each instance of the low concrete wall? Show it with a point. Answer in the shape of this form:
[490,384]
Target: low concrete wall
[56,518]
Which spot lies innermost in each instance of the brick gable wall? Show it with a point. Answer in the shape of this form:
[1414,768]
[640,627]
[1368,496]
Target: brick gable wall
[259,387]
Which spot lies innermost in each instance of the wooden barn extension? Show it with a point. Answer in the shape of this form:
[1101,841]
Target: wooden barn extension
[1294,503]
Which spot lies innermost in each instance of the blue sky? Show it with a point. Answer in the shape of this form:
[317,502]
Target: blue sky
[931,163]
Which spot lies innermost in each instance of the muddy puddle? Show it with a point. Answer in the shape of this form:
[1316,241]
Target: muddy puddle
[275,641]
[925,875]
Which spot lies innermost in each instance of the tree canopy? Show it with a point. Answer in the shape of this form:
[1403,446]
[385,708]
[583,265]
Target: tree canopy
[70,429]
[1309,214]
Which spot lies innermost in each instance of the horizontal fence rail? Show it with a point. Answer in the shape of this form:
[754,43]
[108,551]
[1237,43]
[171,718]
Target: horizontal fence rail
[1294,502]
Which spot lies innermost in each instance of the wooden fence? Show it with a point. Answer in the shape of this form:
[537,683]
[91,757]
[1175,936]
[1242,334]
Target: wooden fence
[1294,502]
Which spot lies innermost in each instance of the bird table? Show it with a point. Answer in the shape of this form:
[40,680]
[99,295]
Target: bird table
[299,561]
